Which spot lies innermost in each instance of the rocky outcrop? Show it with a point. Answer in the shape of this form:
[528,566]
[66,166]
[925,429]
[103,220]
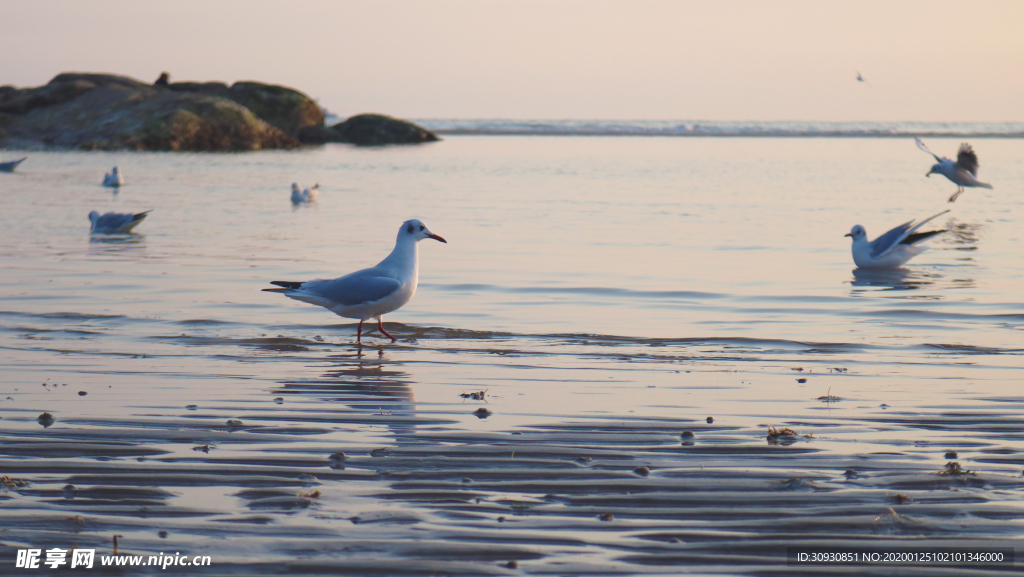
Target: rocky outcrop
[107,112]
[370,130]
[280,106]
[287,109]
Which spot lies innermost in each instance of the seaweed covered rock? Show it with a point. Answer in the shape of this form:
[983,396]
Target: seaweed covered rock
[285,108]
[109,112]
[378,129]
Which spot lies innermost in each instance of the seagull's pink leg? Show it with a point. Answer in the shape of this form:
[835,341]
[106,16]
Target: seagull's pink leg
[359,333]
[380,327]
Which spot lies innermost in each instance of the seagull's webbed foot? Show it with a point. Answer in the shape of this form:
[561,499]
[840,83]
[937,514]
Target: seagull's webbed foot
[957,194]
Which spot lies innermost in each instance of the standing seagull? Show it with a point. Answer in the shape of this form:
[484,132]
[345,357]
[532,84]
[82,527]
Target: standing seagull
[963,172]
[372,292]
[114,178]
[112,222]
[894,248]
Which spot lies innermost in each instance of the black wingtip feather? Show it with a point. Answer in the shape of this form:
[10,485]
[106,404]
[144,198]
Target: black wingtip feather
[920,236]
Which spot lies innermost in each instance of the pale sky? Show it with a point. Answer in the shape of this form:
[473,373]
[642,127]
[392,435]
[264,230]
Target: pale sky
[930,60]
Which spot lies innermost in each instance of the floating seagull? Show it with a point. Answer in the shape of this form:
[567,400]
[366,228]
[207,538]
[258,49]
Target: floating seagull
[113,222]
[308,195]
[114,178]
[861,79]
[963,172]
[892,249]
[369,293]
[10,165]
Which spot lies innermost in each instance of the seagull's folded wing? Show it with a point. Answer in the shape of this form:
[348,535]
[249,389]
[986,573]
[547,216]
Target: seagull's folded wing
[364,286]
[112,222]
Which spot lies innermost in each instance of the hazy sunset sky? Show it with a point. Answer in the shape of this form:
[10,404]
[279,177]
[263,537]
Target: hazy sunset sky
[552,59]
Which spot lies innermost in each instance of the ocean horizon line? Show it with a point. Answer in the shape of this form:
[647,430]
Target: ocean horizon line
[725,128]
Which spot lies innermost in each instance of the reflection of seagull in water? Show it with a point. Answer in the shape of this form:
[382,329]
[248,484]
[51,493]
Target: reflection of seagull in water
[114,178]
[861,79]
[369,293]
[892,249]
[308,195]
[963,172]
[113,222]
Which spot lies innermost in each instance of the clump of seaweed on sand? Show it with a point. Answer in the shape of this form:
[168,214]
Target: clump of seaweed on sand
[475,395]
[953,469]
[784,436]
[9,484]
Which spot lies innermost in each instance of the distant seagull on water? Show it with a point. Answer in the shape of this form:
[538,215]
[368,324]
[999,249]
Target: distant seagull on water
[963,172]
[113,222]
[861,79]
[114,178]
[372,292]
[10,165]
[309,195]
[894,248]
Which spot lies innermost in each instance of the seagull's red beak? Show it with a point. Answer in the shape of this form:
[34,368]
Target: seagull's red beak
[435,237]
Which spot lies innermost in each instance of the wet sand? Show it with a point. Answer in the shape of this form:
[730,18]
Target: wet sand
[351,471]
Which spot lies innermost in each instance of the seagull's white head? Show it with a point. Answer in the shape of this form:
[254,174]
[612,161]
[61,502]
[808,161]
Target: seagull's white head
[295,186]
[117,170]
[857,232]
[934,170]
[418,231]
[93,216]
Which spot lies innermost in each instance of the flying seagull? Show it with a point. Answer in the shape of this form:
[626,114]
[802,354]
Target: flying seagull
[894,248]
[372,292]
[113,222]
[963,172]
[861,79]
[114,178]
[308,195]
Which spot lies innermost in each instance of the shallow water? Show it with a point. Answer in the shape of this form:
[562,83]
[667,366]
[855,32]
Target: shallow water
[607,293]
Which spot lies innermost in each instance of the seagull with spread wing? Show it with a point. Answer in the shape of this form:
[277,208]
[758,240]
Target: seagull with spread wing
[894,248]
[963,172]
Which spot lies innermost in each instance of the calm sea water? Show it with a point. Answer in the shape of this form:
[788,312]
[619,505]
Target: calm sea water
[588,283]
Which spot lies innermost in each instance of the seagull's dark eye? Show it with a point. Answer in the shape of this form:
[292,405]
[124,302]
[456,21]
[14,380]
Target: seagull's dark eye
[409,229]
[422,227]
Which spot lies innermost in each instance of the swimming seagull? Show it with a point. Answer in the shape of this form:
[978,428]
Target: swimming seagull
[114,178]
[10,165]
[113,222]
[963,172]
[892,249]
[372,292]
[861,79]
[308,195]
